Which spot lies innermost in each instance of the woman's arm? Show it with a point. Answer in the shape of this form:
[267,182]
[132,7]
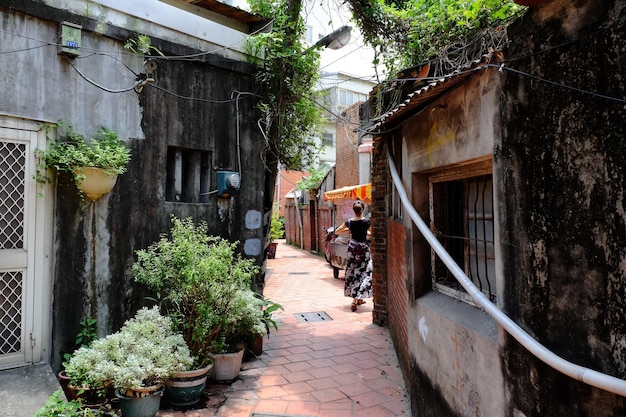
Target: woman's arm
[341,229]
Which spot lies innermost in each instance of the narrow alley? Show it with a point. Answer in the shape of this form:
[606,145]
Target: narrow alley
[324,360]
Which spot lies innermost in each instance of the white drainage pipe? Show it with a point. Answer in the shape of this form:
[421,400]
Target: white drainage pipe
[588,376]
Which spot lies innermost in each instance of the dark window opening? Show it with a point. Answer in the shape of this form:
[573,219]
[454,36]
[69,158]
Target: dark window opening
[462,218]
[188,175]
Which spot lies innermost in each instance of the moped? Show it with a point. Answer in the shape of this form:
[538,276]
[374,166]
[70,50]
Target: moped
[335,251]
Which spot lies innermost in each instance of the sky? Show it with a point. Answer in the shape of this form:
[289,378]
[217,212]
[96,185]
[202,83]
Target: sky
[325,16]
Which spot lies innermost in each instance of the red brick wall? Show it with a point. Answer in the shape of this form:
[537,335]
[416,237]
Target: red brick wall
[397,288]
[306,217]
[306,226]
[324,221]
[380,186]
[292,225]
[284,183]
[347,154]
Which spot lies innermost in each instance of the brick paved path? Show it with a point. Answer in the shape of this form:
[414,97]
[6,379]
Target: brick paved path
[343,366]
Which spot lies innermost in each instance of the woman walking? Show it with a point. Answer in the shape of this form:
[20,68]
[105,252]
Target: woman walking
[358,275]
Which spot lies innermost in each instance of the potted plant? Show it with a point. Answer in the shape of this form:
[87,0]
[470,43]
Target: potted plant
[196,277]
[242,316]
[94,164]
[85,336]
[277,230]
[255,342]
[89,375]
[136,360]
[58,407]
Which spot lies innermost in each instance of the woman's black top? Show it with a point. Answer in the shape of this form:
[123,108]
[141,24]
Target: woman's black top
[358,229]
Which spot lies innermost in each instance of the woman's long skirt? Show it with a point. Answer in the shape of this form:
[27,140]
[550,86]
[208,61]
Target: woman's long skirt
[358,275]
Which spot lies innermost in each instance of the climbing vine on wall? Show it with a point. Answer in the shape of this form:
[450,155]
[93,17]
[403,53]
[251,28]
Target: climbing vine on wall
[406,33]
[287,73]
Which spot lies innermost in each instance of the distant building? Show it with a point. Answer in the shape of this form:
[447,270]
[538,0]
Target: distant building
[339,91]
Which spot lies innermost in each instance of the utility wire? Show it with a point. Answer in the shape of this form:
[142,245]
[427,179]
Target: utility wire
[26,49]
[204,100]
[108,90]
[567,87]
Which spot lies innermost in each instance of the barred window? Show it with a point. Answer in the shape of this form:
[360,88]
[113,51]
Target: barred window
[462,218]
[188,175]
[328,139]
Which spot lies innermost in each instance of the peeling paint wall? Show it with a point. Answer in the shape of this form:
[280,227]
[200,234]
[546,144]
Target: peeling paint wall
[211,112]
[562,164]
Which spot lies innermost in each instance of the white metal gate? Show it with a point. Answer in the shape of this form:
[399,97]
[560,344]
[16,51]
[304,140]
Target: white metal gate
[19,294]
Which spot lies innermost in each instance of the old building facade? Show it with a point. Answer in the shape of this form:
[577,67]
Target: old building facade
[194,120]
[516,166]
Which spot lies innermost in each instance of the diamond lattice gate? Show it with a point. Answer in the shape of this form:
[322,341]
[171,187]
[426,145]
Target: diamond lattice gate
[16,215]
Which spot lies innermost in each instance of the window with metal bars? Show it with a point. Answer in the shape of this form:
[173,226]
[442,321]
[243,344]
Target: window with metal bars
[188,175]
[462,219]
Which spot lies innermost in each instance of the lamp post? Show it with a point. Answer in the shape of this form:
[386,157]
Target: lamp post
[334,40]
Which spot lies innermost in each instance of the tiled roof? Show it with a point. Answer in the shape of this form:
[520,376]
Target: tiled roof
[429,89]
[226,10]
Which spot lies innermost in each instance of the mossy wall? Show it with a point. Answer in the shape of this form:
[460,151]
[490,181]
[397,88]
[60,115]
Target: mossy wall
[203,105]
[561,169]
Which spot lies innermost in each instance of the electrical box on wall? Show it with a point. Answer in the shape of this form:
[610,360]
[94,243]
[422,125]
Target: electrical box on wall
[69,39]
[227,183]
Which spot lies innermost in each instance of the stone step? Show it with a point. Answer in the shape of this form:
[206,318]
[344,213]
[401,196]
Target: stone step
[25,390]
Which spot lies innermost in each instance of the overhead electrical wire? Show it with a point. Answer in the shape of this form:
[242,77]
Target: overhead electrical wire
[204,100]
[108,90]
[500,66]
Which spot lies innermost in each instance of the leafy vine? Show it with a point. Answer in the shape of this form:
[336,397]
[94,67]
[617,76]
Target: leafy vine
[287,74]
[406,33]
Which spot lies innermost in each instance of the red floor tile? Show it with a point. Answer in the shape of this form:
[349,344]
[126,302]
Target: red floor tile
[344,367]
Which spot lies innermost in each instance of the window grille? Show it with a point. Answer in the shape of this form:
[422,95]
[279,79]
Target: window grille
[188,175]
[12,236]
[11,294]
[462,218]
[328,139]
[12,183]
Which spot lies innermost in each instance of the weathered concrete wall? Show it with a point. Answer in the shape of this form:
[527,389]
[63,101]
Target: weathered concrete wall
[450,348]
[559,177]
[453,345]
[95,242]
[561,164]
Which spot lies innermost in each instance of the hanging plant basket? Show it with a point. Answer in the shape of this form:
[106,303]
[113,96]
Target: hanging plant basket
[94,163]
[94,182]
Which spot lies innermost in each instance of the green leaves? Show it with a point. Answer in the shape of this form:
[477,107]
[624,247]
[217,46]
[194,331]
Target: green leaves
[144,352]
[201,280]
[287,74]
[407,33]
[313,180]
[104,150]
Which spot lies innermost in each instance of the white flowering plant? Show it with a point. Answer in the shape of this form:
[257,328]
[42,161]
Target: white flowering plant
[145,352]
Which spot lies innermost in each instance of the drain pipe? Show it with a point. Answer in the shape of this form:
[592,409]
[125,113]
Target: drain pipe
[588,376]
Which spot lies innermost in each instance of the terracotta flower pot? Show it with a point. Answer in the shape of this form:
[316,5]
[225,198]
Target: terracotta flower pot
[226,366]
[96,182]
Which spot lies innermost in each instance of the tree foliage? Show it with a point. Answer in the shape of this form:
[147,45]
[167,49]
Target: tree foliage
[287,73]
[313,180]
[405,33]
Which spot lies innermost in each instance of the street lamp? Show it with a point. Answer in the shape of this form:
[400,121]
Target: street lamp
[334,40]
[337,39]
